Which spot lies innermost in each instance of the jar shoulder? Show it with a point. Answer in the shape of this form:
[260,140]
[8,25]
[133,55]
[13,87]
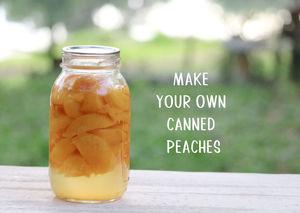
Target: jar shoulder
[85,81]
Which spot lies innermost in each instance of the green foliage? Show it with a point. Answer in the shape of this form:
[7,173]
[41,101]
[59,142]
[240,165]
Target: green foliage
[74,13]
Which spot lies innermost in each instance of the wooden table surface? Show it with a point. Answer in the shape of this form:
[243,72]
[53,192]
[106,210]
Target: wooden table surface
[27,189]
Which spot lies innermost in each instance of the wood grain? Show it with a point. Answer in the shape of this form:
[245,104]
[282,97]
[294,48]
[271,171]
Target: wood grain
[27,189]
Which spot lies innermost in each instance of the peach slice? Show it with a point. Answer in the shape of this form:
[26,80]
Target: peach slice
[59,123]
[119,115]
[85,83]
[57,95]
[52,142]
[113,137]
[61,151]
[125,147]
[92,103]
[124,126]
[77,96]
[56,110]
[53,139]
[126,91]
[117,98]
[87,123]
[75,166]
[95,151]
[71,107]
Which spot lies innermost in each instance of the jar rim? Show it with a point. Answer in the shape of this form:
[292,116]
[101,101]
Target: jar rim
[93,50]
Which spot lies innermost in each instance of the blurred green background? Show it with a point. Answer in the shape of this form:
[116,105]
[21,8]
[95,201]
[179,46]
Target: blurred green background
[250,50]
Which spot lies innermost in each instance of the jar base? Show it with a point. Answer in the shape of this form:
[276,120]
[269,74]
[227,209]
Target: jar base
[72,200]
[102,188]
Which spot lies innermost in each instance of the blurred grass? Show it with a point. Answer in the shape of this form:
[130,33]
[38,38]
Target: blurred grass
[259,130]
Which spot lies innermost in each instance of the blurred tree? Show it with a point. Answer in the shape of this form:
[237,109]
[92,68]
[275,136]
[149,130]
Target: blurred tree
[290,30]
[73,13]
[249,8]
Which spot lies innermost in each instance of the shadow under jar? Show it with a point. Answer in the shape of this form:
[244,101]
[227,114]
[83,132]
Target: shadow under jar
[89,126]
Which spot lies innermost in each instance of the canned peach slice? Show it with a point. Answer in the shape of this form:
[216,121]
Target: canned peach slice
[113,137]
[75,165]
[76,96]
[87,123]
[61,151]
[124,126]
[56,110]
[126,91]
[85,83]
[95,151]
[59,123]
[118,115]
[58,95]
[118,98]
[92,103]
[54,138]
[71,107]
[125,147]
[52,142]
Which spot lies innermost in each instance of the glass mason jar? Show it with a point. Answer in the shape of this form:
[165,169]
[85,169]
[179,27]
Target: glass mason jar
[89,126]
